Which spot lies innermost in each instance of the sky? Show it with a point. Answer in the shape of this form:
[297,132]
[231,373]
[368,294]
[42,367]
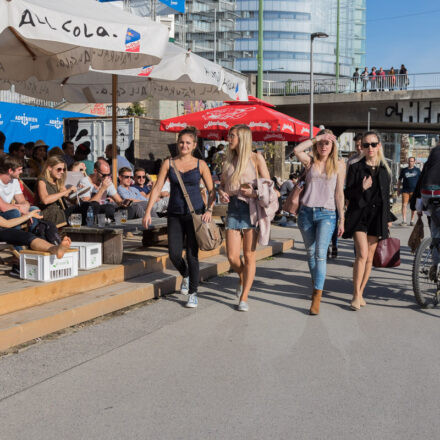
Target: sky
[411,39]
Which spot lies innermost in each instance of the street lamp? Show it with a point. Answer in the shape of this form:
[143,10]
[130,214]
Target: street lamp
[312,37]
[371,109]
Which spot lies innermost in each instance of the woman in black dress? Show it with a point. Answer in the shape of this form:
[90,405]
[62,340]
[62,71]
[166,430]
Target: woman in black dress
[368,216]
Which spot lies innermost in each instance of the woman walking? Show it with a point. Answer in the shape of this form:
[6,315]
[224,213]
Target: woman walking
[241,170]
[323,196]
[180,223]
[368,215]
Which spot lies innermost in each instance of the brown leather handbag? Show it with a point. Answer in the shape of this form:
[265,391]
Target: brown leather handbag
[208,235]
[293,201]
[387,253]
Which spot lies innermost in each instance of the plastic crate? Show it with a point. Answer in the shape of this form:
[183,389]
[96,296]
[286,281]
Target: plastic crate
[42,266]
[90,254]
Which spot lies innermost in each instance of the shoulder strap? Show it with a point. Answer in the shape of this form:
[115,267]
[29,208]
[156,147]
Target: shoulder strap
[182,186]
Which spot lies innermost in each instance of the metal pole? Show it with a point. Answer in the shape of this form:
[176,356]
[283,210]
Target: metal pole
[311,87]
[215,34]
[114,122]
[368,121]
[260,50]
[337,45]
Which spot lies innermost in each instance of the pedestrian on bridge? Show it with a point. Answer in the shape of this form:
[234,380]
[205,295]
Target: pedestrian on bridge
[373,78]
[355,79]
[381,75]
[392,79]
[323,196]
[368,216]
[403,77]
[364,78]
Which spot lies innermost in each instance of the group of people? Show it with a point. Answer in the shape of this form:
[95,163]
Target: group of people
[380,80]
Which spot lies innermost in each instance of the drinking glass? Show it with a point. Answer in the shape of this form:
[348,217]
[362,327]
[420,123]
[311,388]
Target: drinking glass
[124,215]
[75,220]
[101,220]
[118,217]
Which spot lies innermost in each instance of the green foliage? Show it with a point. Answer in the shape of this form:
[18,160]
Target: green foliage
[135,109]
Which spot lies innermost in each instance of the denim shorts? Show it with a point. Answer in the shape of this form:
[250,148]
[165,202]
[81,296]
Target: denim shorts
[238,215]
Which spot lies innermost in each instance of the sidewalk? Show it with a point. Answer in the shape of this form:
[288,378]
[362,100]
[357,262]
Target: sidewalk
[166,372]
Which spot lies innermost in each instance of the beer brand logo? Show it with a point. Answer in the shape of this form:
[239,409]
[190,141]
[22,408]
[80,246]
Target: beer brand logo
[132,41]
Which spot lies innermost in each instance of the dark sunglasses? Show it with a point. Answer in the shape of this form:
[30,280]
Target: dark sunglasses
[140,177]
[126,177]
[104,175]
[60,169]
[372,144]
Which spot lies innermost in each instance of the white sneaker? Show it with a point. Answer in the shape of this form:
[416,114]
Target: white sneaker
[184,287]
[243,306]
[192,301]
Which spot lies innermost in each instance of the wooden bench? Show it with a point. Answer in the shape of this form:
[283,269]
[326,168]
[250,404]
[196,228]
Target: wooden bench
[111,236]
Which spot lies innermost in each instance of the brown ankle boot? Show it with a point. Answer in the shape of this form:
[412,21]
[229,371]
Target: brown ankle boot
[316,300]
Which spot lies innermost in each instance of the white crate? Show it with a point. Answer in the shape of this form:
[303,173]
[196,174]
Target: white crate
[90,254]
[41,266]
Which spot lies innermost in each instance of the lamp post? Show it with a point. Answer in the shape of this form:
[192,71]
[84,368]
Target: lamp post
[312,37]
[371,109]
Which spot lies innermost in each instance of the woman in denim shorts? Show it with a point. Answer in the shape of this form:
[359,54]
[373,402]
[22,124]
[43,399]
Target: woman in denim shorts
[238,186]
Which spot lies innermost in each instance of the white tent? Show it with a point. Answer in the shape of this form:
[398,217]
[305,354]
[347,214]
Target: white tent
[50,39]
[180,75]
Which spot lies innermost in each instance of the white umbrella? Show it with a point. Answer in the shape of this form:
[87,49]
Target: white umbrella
[50,39]
[180,75]
[57,39]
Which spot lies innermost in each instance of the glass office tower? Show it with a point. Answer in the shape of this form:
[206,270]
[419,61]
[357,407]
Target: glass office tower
[287,28]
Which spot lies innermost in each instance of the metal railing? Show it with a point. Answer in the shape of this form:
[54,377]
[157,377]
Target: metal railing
[416,81]
[16,98]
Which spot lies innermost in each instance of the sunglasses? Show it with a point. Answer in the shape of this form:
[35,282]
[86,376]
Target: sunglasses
[139,177]
[126,177]
[60,169]
[104,175]
[368,145]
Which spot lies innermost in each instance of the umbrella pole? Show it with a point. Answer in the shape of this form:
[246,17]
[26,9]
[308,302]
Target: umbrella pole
[114,121]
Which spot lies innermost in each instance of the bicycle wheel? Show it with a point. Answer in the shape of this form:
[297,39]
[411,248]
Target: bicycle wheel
[425,290]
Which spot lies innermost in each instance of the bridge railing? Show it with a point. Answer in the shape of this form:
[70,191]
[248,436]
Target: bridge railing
[416,81]
[16,98]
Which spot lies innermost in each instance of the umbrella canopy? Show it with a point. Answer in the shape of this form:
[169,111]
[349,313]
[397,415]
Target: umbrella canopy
[51,39]
[180,75]
[266,123]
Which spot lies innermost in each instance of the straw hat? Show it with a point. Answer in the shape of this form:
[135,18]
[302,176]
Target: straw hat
[40,143]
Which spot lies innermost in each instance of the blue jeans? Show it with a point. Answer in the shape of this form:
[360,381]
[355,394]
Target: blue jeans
[15,213]
[317,226]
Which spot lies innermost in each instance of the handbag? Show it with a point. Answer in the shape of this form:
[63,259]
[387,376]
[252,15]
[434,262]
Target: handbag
[293,201]
[417,235]
[208,235]
[387,253]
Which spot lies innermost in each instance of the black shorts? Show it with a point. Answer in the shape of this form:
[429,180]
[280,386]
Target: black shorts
[17,237]
[371,221]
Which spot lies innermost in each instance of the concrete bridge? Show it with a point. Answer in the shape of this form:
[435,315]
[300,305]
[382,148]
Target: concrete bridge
[401,111]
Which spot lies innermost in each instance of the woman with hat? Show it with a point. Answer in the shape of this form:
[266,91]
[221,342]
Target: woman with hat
[39,156]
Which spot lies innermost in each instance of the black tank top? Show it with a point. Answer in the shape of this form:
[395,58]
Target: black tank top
[191,179]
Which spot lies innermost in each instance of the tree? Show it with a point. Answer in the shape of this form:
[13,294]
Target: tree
[135,109]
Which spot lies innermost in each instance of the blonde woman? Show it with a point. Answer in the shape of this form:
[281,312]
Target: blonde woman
[51,190]
[368,215]
[238,186]
[323,196]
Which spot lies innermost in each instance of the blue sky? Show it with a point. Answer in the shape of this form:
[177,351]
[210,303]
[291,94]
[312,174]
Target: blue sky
[411,40]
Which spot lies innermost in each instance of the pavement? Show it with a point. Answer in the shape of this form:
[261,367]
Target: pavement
[161,371]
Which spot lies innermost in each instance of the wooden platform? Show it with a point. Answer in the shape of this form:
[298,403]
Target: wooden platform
[29,310]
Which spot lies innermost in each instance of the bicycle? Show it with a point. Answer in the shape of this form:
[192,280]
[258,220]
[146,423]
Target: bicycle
[425,275]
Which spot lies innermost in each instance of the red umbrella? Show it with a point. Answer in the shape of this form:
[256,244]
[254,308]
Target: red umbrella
[266,123]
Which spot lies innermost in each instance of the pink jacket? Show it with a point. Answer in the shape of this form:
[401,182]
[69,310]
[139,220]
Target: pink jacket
[263,209]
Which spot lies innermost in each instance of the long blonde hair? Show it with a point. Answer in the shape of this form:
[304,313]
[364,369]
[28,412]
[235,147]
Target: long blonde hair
[331,166]
[45,173]
[243,152]
[380,156]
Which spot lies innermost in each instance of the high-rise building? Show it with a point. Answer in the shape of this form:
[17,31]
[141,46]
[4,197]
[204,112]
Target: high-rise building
[286,38]
[208,29]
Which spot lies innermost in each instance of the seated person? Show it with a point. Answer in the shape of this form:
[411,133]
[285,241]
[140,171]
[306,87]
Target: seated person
[18,151]
[10,190]
[39,156]
[102,191]
[51,192]
[18,237]
[81,154]
[68,152]
[122,161]
[139,202]
[142,181]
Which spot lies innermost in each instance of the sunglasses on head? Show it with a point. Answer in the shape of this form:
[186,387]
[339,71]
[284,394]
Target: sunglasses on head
[371,144]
